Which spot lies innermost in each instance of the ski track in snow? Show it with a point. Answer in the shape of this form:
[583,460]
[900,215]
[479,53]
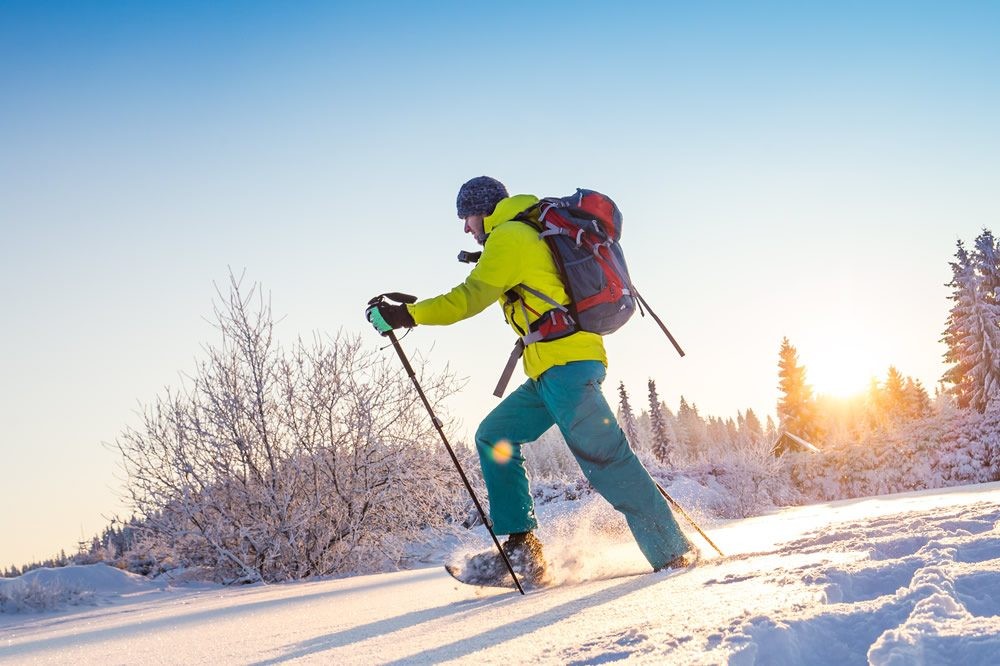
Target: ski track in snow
[905,579]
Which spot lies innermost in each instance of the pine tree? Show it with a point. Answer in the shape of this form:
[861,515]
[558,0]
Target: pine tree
[753,426]
[893,395]
[693,429]
[986,256]
[732,431]
[972,332]
[716,431]
[770,431]
[626,417]
[874,407]
[662,443]
[917,401]
[796,409]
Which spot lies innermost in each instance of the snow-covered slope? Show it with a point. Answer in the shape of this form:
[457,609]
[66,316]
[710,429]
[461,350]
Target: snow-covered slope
[902,579]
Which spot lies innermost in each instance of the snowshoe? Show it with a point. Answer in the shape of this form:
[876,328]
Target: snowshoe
[685,560]
[524,551]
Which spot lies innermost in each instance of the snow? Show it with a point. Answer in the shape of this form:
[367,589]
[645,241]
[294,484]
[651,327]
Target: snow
[43,589]
[899,579]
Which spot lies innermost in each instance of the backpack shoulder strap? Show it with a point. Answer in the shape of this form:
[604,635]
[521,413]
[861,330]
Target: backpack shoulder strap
[531,216]
[545,297]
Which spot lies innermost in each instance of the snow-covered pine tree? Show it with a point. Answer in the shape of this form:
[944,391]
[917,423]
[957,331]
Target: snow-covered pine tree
[986,257]
[662,443]
[732,431]
[958,377]
[694,427]
[875,406]
[796,409]
[753,427]
[770,431]
[894,394]
[626,417]
[918,403]
[986,371]
[972,332]
[717,432]
[682,437]
[551,460]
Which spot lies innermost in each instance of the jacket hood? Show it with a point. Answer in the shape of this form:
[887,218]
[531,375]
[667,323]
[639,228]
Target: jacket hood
[508,209]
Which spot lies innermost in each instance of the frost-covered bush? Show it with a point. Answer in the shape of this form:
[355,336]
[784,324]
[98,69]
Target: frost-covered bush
[968,448]
[35,595]
[549,459]
[277,464]
[951,447]
[745,477]
[751,478]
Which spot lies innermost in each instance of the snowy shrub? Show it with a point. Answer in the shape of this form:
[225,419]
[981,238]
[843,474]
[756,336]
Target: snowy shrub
[35,595]
[557,490]
[752,478]
[949,448]
[549,459]
[280,464]
[745,477]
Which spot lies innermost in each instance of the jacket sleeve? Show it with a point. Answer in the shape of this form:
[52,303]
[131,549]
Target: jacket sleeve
[496,272]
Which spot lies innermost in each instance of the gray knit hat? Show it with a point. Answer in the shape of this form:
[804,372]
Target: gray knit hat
[480,196]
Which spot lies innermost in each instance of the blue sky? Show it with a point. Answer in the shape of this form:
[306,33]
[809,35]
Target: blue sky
[799,169]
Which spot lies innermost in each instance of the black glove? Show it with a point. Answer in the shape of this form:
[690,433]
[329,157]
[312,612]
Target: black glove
[387,316]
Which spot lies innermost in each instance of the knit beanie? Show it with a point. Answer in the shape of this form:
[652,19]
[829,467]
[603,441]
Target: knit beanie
[480,196]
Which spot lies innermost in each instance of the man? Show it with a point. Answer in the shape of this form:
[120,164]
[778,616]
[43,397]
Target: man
[564,385]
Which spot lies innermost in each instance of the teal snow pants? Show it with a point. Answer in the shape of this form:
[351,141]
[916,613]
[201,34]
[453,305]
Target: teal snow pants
[570,397]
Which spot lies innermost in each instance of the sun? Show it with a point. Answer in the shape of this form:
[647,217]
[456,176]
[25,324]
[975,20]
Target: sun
[837,376]
[840,366]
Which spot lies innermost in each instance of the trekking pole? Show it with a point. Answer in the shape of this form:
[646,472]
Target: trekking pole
[660,323]
[405,298]
[688,518]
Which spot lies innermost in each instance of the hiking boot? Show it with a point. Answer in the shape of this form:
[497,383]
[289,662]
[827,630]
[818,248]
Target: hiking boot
[524,551]
[682,561]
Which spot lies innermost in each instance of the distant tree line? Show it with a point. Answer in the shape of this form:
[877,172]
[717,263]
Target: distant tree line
[114,545]
[676,438]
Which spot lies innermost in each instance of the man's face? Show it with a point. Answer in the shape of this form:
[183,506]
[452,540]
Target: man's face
[474,226]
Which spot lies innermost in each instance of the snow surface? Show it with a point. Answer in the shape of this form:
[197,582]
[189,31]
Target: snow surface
[902,579]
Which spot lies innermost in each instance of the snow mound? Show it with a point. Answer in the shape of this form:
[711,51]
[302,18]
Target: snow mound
[49,589]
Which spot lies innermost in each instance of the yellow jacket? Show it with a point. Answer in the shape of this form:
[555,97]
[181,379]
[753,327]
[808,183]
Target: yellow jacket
[513,255]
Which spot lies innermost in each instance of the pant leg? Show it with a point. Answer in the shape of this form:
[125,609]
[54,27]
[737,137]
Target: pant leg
[521,417]
[573,395]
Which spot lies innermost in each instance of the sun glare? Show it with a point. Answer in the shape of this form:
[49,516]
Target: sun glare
[834,377]
[842,367]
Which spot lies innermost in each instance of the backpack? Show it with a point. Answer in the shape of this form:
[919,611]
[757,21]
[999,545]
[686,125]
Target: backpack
[582,231]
